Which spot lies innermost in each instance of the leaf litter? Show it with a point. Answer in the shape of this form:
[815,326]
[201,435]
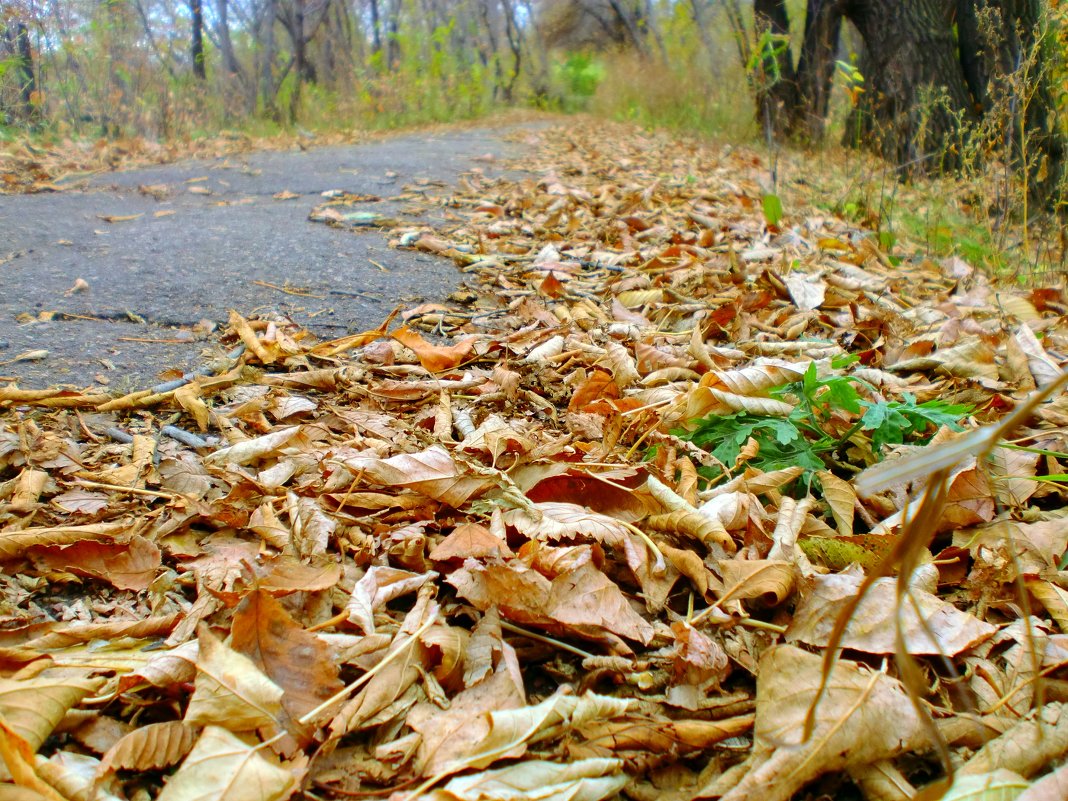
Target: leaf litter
[584,531]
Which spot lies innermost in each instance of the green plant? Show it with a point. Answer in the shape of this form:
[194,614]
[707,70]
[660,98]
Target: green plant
[829,413]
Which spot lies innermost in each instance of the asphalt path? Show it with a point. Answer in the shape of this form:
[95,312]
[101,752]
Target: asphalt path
[117,303]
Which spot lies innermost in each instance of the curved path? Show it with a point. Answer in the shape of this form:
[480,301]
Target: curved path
[211,236]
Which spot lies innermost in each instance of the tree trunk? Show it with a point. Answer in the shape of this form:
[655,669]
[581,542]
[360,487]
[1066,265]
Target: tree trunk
[226,44]
[514,33]
[393,52]
[815,68]
[376,29]
[196,49]
[296,33]
[266,35]
[18,36]
[777,95]
[629,22]
[914,94]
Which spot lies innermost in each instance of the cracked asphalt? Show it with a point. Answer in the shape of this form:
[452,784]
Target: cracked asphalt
[208,236]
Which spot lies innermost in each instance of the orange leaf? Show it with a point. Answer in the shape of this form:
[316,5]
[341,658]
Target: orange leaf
[598,387]
[434,358]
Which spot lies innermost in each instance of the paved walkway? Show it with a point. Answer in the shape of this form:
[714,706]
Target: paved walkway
[210,237]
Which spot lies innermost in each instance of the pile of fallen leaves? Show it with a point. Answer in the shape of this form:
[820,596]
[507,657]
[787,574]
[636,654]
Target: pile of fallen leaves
[538,542]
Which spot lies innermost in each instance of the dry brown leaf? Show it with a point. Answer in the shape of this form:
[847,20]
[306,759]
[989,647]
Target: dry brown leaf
[769,581]
[250,450]
[841,498]
[452,734]
[129,565]
[587,779]
[151,747]
[189,398]
[222,767]
[1029,746]
[470,540]
[292,658]
[231,690]
[559,521]
[32,708]
[941,628]
[17,756]
[432,472]
[1053,787]
[864,716]
[15,543]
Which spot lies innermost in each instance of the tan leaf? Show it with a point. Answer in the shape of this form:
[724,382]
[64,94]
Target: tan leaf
[240,325]
[756,379]
[1012,473]
[557,521]
[189,398]
[586,597]
[583,780]
[622,364]
[432,472]
[470,540]
[129,565]
[17,756]
[185,476]
[1053,787]
[295,660]
[390,684]
[15,543]
[168,668]
[993,786]
[28,488]
[971,359]
[609,494]
[73,776]
[151,747]
[1053,598]
[114,218]
[841,498]
[453,733]
[81,502]
[221,767]
[872,627]
[266,523]
[230,689]
[864,716]
[1044,368]
[32,708]
[252,449]
[752,404]
[634,298]
[806,291]
[698,659]
[510,730]
[495,437]
[68,634]
[1031,745]
[769,581]
[377,587]
[285,574]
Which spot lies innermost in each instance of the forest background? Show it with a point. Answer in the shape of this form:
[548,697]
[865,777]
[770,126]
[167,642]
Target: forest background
[966,91]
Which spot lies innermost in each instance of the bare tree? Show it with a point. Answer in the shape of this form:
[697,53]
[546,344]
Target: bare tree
[196,48]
